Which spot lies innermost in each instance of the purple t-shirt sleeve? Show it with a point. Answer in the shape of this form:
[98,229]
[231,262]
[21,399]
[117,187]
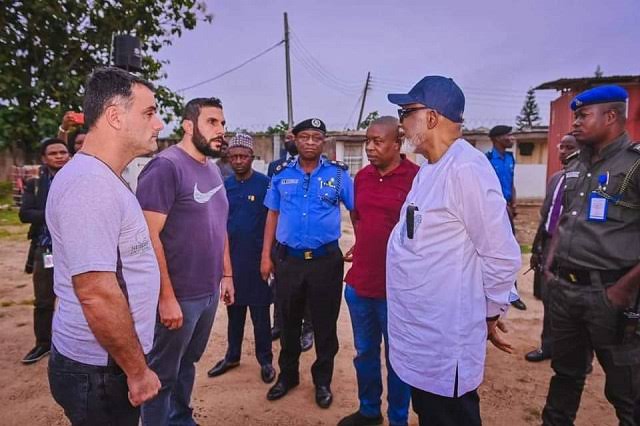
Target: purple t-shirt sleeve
[157,186]
[91,226]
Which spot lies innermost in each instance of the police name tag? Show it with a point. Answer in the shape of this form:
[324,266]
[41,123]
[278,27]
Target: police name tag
[47,260]
[289,181]
[597,209]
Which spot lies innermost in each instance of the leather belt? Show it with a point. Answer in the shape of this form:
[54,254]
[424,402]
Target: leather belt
[308,254]
[583,276]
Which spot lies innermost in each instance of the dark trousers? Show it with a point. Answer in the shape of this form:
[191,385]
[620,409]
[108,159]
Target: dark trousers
[307,326]
[45,300]
[318,283]
[173,358]
[437,410]
[545,337]
[91,395]
[261,332]
[583,321]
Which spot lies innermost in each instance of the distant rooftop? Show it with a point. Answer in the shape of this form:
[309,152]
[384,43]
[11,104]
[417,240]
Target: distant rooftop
[581,83]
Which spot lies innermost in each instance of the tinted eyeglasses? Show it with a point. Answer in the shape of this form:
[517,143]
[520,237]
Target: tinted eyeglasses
[404,112]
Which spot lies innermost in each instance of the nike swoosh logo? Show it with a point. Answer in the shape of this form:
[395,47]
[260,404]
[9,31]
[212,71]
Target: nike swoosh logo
[204,197]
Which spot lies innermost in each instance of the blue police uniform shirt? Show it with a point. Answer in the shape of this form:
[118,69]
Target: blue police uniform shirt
[309,204]
[504,166]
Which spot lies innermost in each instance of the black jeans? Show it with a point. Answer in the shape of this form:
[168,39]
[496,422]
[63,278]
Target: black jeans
[261,332]
[318,284]
[91,395]
[437,410]
[583,321]
[45,300]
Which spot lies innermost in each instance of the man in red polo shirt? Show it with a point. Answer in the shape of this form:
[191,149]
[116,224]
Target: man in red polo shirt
[380,190]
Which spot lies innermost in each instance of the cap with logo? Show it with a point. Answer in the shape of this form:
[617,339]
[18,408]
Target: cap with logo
[600,95]
[310,124]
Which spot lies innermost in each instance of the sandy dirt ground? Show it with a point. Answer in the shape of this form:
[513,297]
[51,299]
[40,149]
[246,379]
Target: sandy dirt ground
[513,392]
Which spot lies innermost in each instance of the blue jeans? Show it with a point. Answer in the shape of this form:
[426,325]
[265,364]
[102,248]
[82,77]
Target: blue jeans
[369,323]
[89,394]
[173,359]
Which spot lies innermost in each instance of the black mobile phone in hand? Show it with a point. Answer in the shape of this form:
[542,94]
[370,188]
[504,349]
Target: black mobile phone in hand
[411,220]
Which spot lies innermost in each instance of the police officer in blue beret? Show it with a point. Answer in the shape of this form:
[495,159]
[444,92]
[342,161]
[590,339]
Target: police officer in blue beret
[304,220]
[595,275]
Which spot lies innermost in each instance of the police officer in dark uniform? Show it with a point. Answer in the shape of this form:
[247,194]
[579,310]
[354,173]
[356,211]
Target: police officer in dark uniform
[306,339]
[596,271]
[304,218]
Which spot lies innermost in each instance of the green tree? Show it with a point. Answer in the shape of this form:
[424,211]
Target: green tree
[368,120]
[530,113]
[278,129]
[48,47]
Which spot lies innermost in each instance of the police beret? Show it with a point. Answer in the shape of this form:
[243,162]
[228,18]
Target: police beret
[310,124]
[599,95]
[500,130]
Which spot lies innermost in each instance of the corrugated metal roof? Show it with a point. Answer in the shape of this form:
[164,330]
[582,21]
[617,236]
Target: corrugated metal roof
[581,83]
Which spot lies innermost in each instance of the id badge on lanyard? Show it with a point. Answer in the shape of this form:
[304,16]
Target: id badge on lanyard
[598,205]
[47,259]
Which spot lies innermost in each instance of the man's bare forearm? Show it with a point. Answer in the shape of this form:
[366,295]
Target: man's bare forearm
[227,269]
[107,313]
[166,287]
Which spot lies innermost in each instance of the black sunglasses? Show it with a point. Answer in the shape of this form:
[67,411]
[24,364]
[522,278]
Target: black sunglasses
[404,112]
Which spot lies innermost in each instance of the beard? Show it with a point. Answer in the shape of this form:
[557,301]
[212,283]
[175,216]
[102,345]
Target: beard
[410,145]
[203,145]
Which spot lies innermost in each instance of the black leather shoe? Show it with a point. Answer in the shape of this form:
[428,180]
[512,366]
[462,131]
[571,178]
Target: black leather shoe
[36,354]
[519,304]
[324,397]
[267,373]
[357,419]
[280,389]
[306,341]
[222,367]
[536,356]
[275,333]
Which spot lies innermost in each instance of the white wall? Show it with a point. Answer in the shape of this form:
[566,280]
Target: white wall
[531,180]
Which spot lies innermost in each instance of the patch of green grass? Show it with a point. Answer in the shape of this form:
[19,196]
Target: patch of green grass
[9,216]
[525,248]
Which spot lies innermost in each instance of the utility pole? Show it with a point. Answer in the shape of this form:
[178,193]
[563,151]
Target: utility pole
[364,98]
[288,66]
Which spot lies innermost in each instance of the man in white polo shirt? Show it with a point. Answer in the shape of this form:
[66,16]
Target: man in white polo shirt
[451,261]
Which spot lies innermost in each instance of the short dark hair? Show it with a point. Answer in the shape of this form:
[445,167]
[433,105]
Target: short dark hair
[102,86]
[48,142]
[192,108]
[71,142]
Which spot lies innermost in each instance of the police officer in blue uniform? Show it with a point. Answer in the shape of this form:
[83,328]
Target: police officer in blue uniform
[304,222]
[306,339]
[504,164]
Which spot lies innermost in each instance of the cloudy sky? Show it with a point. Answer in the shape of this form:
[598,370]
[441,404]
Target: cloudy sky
[495,50]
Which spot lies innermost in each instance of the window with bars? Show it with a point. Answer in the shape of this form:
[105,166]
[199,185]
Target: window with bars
[353,157]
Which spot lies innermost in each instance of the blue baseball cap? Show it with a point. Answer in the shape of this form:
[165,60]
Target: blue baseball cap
[436,92]
[599,95]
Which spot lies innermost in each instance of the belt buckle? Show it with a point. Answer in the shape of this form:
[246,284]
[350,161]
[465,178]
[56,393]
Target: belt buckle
[308,255]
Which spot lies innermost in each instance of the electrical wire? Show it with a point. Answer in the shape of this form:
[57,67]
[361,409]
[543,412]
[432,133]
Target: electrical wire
[237,67]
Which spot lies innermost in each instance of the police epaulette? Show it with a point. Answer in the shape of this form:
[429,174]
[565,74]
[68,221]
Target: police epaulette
[280,167]
[340,164]
[635,147]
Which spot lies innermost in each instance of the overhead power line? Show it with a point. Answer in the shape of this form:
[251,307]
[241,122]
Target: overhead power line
[222,74]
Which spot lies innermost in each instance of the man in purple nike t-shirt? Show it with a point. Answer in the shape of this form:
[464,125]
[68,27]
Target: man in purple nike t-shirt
[185,205]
